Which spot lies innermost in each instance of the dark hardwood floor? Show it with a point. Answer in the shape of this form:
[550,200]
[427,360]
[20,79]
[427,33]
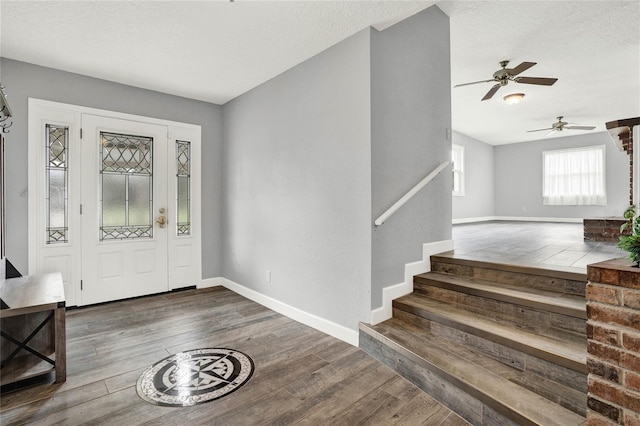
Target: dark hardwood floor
[301,375]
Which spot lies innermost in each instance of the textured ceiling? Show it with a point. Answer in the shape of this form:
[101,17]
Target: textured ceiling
[206,50]
[217,50]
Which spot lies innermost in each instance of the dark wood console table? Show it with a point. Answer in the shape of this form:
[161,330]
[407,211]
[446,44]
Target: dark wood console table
[32,329]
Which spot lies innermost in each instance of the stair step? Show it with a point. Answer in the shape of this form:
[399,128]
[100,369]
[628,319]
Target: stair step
[569,352]
[551,313]
[478,388]
[566,397]
[563,387]
[560,303]
[563,280]
[510,357]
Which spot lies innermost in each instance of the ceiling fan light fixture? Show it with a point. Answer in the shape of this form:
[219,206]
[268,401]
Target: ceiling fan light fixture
[514,98]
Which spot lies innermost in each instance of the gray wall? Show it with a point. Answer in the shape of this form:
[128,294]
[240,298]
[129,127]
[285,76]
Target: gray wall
[478,200]
[411,110]
[518,178]
[297,185]
[23,81]
[309,159]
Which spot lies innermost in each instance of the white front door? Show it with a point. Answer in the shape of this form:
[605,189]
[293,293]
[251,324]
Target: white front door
[97,183]
[124,209]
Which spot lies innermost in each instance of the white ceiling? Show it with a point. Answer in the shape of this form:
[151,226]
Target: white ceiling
[592,47]
[216,50]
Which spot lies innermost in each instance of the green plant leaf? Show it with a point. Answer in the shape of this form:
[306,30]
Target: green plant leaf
[630,212]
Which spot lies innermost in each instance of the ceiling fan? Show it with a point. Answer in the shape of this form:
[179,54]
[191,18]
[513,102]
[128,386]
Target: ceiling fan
[560,125]
[505,75]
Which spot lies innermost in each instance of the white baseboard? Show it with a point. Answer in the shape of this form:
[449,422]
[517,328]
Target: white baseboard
[474,219]
[518,218]
[210,282]
[541,219]
[331,328]
[391,292]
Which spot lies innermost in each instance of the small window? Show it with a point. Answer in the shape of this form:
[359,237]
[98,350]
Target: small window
[457,157]
[573,177]
[183,176]
[57,185]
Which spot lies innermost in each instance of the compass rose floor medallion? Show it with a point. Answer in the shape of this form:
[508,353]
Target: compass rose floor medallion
[194,377]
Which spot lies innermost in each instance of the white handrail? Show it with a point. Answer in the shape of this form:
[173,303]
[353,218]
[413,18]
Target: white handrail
[379,221]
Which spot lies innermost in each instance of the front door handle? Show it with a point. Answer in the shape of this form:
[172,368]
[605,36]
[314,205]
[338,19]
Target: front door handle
[162,221]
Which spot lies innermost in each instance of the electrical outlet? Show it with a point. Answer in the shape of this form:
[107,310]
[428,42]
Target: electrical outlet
[267,276]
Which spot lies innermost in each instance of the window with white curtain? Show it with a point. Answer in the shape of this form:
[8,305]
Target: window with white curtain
[574,177]
[457,158]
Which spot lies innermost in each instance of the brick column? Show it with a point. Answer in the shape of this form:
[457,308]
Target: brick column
[631,182]
[622,129]
[613,345]
[628,147]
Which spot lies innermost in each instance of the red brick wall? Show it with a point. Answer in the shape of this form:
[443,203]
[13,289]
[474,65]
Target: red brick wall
[604,229]
[613,345]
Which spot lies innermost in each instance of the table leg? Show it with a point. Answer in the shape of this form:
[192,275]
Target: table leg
[60,344]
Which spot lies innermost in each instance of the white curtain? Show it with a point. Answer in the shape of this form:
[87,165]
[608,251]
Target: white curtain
[574,177]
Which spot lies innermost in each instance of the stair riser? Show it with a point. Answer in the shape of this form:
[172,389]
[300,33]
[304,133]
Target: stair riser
[507,355]
[577,406]
[466,406]
[561,285]
[469,328]
[538,320]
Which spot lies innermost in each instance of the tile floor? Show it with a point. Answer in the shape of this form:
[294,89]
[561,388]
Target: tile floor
[543,244]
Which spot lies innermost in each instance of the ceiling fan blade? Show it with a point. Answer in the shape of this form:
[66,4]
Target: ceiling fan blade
[491,92]
[576,127]
[551,132]
[539,130]
[475,82]
[536,80]
[579,127]
[522,67]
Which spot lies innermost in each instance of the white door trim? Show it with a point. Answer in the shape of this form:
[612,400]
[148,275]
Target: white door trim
[35,103]
[60,257]
[184,247]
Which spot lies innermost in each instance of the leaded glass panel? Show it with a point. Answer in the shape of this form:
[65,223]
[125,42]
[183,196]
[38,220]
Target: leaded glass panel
[139,196]
[183,183]
[126,186]
[56,186]
[114,199]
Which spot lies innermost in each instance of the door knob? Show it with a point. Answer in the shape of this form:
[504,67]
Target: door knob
[162,221]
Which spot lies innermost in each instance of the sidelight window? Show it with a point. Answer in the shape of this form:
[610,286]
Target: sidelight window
[183,177]
[57,183]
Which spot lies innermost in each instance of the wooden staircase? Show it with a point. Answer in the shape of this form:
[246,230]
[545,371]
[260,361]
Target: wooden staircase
[498,344]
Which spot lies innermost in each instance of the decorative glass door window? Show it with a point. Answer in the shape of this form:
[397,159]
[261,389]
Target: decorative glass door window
[183,177]
[56,186]
[126,183]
